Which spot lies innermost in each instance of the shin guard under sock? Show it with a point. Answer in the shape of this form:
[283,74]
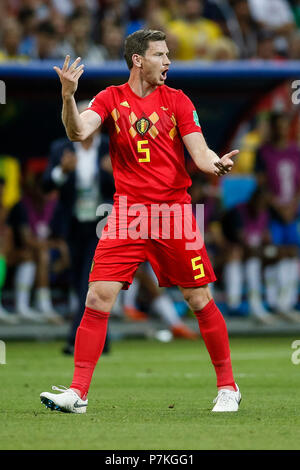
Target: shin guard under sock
[214,333]
[89,343]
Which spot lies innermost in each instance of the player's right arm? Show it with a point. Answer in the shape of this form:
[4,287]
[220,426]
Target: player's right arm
[78,126]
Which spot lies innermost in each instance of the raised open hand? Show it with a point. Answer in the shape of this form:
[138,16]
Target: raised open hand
[225,164]
[69,76]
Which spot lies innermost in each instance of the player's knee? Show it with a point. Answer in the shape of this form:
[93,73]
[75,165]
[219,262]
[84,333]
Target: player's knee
[99,299]
[197,298]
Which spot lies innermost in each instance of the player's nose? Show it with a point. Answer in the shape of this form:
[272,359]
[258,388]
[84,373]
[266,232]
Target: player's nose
[166,60]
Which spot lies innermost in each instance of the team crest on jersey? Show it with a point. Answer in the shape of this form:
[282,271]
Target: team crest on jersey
[142,125]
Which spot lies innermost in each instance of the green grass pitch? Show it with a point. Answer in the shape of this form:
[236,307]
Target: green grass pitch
[150,395]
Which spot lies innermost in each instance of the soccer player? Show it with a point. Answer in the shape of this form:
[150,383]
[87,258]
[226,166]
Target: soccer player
[148,123]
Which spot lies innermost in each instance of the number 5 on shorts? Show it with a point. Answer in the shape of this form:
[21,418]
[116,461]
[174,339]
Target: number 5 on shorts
[198,266]
[143,150]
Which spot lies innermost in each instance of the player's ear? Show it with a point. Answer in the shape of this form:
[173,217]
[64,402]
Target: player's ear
[137,60]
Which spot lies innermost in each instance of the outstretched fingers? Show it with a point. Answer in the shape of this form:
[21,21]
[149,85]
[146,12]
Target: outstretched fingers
[78,75]
[66,63]
[57,70]
[73,71]
[74,65]
[78,72]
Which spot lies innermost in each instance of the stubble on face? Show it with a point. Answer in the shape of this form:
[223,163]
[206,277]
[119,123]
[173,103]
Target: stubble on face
[156,63]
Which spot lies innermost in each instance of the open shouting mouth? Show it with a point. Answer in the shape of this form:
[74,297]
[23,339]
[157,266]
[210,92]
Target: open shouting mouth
[163,75]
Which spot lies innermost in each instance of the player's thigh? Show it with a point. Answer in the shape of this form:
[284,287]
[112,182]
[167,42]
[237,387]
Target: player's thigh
[102,294]
[176,265]
[117,259]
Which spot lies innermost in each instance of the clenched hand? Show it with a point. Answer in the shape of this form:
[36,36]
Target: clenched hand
[225,164]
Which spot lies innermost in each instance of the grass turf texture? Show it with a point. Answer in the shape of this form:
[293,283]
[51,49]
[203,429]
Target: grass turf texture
[149,395]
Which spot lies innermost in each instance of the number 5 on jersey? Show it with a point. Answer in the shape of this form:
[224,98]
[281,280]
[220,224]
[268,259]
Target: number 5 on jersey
[196,265]
[146,151]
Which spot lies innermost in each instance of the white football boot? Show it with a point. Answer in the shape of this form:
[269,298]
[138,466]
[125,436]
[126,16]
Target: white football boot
[27,314]
[67,401]
[8,318]
[227,400]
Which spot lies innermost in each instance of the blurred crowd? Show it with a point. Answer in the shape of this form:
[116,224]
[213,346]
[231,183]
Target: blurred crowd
[252,217]
[209,30]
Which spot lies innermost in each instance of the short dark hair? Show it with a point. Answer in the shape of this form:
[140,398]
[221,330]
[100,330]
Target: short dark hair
[138,42]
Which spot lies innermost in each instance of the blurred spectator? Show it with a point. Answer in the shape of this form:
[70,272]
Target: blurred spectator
[152,14]
[11,40]
[295,5]
[113,12]
[294,45]
[5,247]
[29,22]
[45,42]
[243,29]
[81,171]
[136,15]
[223,49]
[10,171]
[277,16]
[60,25]
[278,173]
[249,137]
[112,43]
[219,11]
[193,32]
[78,42]
[235,20]
[30,223]
[67,7]
[245,228]
[266,49]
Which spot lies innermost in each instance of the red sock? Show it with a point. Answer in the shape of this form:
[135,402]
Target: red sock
[214,333]
[89,343]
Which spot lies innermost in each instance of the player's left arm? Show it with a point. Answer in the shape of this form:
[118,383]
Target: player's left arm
[205,158]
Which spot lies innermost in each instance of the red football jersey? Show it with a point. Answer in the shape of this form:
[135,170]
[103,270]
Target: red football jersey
[146,144]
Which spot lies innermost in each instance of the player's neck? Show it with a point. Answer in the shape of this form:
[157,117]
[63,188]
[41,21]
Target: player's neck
[139,86]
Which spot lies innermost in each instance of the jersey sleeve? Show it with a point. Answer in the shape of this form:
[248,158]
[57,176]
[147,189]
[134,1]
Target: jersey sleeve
[100,103]
[186,115]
